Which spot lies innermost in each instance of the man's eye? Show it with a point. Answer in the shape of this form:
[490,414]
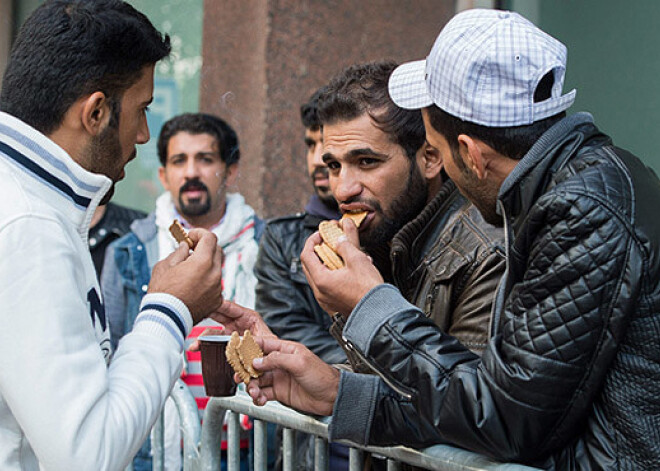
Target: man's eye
[368,161]
[332,165]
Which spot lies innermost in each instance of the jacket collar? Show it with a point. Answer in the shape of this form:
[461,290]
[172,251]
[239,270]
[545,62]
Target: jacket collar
[535,171]
[50,173]
[413,240]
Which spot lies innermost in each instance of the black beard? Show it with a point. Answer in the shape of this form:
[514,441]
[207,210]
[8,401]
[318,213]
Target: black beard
[106,147]
[404,209]
[194,208]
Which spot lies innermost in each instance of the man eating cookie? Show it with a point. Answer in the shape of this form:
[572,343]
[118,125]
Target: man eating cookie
[379,163]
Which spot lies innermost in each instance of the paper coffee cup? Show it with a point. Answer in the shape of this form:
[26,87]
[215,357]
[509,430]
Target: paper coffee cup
[217,373]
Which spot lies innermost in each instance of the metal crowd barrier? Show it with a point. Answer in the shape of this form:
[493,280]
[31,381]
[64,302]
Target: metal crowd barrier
[201,444]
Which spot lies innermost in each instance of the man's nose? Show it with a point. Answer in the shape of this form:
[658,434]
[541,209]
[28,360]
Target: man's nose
[318,153]
[143,132]
[191,168]
[345,185]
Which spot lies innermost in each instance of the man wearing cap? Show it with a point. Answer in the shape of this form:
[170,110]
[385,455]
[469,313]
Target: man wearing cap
[570,378]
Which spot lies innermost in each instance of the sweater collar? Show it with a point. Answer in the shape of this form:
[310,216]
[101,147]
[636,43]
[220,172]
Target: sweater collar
[51,173]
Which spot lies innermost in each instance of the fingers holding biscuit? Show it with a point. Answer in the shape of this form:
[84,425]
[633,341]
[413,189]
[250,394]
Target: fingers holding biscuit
[350,232]
[293,375]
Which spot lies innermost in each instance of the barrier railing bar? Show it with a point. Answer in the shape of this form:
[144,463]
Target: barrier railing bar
[260,445]
[320,454]
[439,457]
[233,442]
[288,449]
[355,459]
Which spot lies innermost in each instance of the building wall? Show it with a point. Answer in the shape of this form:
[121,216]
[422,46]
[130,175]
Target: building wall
[263,59]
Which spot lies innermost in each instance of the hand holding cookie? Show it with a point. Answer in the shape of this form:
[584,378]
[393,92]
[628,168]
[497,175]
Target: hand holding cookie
[294,376]
[340,290]
[241,352]
[331,232]
[194,277]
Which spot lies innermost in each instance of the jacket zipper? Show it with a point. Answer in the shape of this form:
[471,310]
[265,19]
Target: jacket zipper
[389,382]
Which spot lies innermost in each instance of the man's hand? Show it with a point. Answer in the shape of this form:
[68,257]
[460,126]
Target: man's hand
[340,290]
[294,376]
[234,317]
[195,278]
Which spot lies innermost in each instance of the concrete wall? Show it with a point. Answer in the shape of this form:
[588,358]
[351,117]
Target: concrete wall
[263,59]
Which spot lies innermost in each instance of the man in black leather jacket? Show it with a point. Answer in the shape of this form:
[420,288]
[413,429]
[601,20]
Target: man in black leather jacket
[283,296]
[570,378]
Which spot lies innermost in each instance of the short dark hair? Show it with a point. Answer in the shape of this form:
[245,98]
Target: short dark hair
[513,142]
[71,48]
[362,88]
[201,123]
[309,112]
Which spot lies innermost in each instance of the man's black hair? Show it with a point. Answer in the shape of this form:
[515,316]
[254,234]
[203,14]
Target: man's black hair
[309,112]
[68,49]
[513,141]
[201,123]
[362,88]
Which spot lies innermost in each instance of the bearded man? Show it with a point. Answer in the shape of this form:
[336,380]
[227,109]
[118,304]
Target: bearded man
[422,234]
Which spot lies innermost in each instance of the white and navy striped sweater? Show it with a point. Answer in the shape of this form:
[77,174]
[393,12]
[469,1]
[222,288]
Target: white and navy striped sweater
[61,405]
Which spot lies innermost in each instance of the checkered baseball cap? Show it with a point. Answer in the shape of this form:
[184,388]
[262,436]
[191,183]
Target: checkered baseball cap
[484,68]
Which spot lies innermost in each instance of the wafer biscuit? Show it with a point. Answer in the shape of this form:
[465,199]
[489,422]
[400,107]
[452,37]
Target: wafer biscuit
[234,359]
[248,350]
[357,217]
[179,233]
[330,233]
[328,256]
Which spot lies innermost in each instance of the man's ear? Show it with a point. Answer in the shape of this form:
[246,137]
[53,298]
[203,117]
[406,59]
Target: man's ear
[95,113]
[473,155]
[431,161]
[231,175]
[162,176]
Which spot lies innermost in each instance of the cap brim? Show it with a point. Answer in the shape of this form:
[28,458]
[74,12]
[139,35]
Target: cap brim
[407,86]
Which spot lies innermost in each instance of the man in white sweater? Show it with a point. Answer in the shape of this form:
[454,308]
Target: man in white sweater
[72,109]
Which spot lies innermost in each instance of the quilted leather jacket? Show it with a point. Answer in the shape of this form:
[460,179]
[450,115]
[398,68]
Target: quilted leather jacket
[571,376]
[283,296]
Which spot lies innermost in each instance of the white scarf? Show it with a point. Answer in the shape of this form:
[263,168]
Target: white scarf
[235,234]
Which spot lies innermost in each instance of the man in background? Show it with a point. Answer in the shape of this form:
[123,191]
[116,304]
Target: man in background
[283,296]
[199,155]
